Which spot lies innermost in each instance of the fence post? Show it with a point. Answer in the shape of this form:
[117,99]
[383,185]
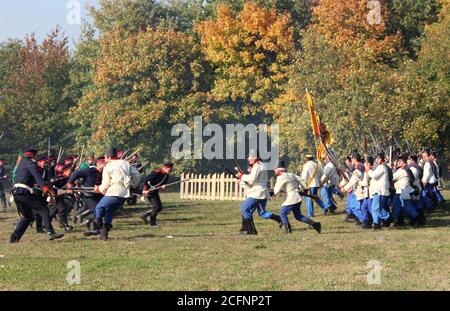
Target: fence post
[181,186]
[214,187]
[208,187]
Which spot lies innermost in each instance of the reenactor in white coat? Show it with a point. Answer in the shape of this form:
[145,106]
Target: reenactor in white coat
[430,194]
[291,184]
[403,183]
[381,177]
[329,185]
[416,198]
[355,190]
[311,174]
[257,193]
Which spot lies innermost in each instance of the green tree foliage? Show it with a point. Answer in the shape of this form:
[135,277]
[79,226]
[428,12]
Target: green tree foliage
[142,84]
[34,101]
[426,88]
[409,17]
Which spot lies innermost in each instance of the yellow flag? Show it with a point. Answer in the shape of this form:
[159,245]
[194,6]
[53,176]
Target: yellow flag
[315,121]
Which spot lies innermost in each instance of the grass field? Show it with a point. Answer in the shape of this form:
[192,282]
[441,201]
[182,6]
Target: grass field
[197,247]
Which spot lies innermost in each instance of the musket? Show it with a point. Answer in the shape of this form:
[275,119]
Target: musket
[366,151]
[87,189]
[163,187]
[376,144]
[80,158]
[49,150]
[131,155]
[409,147]
[60,154]
[125,152]
[238,167]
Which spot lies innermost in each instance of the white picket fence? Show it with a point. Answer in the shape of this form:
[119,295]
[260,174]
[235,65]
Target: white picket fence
[212,187]
[221,187]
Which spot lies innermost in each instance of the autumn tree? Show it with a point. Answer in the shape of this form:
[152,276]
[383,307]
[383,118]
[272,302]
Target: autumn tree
[34,98]
[143,83]
[250,53]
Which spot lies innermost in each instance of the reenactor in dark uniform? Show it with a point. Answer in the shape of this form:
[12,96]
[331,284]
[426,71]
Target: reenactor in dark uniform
[90,177]
[140,168]
[27,176]
[63,203]
[2,189]
[157,178]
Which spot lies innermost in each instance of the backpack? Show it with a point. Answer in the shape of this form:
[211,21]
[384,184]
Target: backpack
[434,169]
[411,176]
[411,181]
[390,175]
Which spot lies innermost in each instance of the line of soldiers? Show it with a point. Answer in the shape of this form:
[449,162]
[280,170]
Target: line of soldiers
[382,193]
[378,194]
[96,189]
[255,184]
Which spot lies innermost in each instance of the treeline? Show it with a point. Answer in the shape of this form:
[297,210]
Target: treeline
[142,66]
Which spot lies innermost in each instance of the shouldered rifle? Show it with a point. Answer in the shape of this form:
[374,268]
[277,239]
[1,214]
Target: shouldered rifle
[163,187]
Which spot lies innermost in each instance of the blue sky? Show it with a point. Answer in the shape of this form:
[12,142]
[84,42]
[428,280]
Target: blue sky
[21,17]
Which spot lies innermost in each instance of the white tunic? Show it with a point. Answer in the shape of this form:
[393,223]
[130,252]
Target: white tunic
[353,184]
[428,175]
[290,184]
[380,179]
[117,178]
[367,186]
[330,176]
[311,174]
[401,184]
[256,182]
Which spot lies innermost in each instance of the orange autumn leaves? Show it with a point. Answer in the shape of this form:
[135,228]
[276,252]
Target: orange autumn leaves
[354,23]
[246,63]
[250,52]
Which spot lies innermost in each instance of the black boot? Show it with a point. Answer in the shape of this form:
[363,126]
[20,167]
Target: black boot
[276,218]
[376,227]
[250,227]
[39,226]
[421,220]
[97,226]
[317,226]
[388,222]
[144,216]
[53,236]
[243,229]
[153,222]
[400,221]
[287,228]
[333,209]
[413,222]
[366,225]
[105,231]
